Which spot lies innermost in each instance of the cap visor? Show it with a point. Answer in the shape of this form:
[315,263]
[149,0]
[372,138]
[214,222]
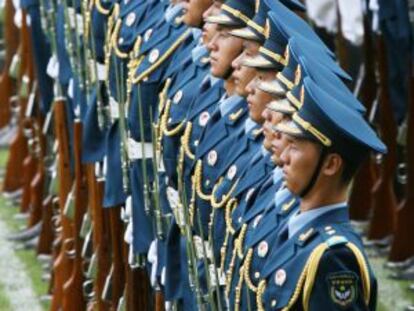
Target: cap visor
[282,106]
[245,33]
[258,62]
[289,128]
[222,19]
[273,87]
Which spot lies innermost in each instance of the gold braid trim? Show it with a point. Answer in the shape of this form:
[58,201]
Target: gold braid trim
[247,264]
[229,272]
[114,38]
[164,122]
[191,210]
[230,206]
[136,48]
[240,241]
[108,36]
[185,141]
[161,105]
[363,267]
[100,8]
[162,97]
[238,290]
[176,44]
[224,198]
[198,183]
[312,269]
[259,293]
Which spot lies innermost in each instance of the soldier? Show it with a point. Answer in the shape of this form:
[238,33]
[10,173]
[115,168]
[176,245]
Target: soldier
[316,251]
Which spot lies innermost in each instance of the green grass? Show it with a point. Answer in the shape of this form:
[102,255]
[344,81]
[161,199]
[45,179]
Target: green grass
[4,300]
[27,257]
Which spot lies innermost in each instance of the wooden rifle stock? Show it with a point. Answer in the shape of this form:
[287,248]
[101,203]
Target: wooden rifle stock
[62,265]
[383,196]
[29,171]
[118,275]
[7,85]
[13,179]
[360,200]
[46,234]
[403,247]
[101,240]
[73,298]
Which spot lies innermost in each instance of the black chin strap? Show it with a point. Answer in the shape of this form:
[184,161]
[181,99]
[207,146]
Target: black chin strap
[315,175]
[228,73]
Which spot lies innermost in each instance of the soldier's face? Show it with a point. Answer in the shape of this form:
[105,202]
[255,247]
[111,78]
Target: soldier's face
[210,29]
[271,118]
[242,75]
[299,160]
[194,11]
[257,99]
[224,49]
[279,143]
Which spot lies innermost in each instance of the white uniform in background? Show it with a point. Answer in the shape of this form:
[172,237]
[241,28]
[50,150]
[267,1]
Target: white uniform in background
[324,14]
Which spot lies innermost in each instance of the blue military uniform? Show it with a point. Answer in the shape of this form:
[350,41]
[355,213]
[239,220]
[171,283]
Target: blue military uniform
[41,54]
[317,252]
[132,24]
[147,81]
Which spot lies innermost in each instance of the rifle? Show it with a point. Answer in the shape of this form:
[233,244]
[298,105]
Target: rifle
[29,167]
[402,247]
[116,279]
[383,197]
[46,236]
[72,291]
[360,200]
[23,71]
[7,85]
[62,266]
[100,233]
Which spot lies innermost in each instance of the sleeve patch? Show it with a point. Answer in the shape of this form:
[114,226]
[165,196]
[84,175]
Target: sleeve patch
[343,288]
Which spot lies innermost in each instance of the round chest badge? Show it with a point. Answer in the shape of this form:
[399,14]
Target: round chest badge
[178,96]
[147,34]
[130,19]
[212,158]
[232,172]
[257,220]
[280,277]
[154,56]
[262,249]
[203,119]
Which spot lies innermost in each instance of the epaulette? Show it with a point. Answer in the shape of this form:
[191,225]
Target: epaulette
[334,240]
[156,60]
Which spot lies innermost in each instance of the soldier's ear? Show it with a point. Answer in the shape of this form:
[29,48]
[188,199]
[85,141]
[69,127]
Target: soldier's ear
[333,165]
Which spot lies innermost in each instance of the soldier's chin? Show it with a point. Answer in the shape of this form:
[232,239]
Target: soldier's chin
[191,21]
[219,72]
[267,144]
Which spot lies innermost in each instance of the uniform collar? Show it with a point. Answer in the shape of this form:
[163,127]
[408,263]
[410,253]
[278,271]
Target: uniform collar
[228,103]
[264,151]
[196,32]
[277,174]
[199,52]
[249,125]
[301,220]
[172,12]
